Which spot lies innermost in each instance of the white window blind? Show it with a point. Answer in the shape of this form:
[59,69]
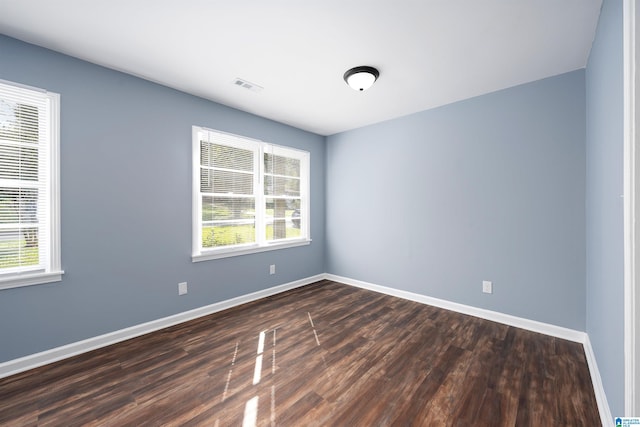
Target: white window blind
[248,195]
[228,184]
[282,184]
[29,244]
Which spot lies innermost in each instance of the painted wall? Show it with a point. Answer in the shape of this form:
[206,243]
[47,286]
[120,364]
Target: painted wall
[490,188]
[126,206]
[604,204]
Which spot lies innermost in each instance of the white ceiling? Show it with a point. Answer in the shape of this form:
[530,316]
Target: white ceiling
[429,52]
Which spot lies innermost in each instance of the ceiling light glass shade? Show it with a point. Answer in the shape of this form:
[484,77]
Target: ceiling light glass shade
[361,78]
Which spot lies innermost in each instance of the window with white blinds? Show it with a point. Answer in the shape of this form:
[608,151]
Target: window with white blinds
[248,195]
[29,219]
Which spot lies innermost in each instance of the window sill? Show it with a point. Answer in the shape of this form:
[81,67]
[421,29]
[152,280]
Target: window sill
[226,253]
[29,279]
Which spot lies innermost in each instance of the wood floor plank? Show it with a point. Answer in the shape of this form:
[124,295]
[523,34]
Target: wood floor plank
[326,354]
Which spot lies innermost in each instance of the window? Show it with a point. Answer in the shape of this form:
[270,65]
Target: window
[248,195]
[29,196]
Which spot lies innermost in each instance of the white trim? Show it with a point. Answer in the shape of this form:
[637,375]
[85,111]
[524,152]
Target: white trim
[196,202]
[23,86]
[259,149]
[30,279]
[494,316]
[49,270]
[25,363]
[230,252]
[630,174]
[596,380]
[54,159]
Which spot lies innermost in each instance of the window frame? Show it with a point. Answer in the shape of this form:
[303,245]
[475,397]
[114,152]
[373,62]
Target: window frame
[261,244]
[52,272]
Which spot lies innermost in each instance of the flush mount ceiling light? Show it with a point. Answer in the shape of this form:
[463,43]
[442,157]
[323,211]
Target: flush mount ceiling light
[361,78]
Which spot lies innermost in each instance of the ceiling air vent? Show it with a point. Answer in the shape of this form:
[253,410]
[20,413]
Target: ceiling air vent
[247,85]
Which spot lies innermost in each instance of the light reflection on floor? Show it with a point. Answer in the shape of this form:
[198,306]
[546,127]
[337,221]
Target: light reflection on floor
[315,334]
[250,417]
[250,413]
[233,362]
[251,407]
[273,387]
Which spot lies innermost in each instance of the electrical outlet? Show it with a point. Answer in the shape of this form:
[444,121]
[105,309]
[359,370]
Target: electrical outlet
[272,269]
[487,287]
[182,288]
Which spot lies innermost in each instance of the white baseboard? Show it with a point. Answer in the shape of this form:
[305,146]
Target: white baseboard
[531,325]
[519,322]
[601,397]
[15,366]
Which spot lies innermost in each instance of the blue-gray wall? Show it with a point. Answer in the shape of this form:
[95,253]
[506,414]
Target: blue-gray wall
[604,205]
[490,188]
[126,206]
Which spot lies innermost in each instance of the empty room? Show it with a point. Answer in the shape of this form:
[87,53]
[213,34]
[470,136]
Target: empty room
[290,213]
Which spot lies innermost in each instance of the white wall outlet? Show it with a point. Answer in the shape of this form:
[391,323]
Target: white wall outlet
[182,288]
[487,287]
[272,269]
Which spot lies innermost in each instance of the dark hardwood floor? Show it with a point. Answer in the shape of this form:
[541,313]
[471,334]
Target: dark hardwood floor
[326,354]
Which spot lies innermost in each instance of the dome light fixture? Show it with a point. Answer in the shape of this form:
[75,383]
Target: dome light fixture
[361,78]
